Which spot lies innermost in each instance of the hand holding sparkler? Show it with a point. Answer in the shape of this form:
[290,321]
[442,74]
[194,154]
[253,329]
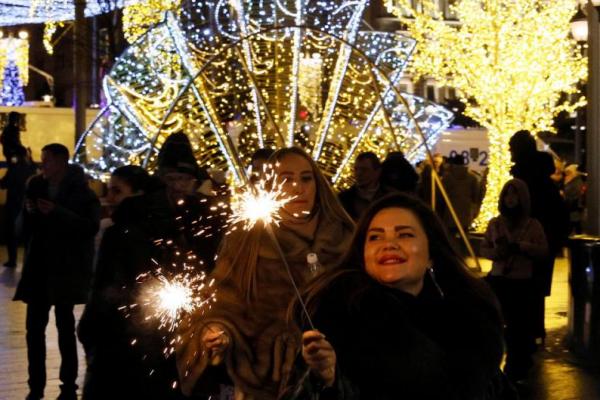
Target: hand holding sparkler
[215,341]
[319,355]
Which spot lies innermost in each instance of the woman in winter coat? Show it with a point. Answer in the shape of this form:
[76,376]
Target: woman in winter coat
[246,332]
[391,328]
[153,226]
[515,243]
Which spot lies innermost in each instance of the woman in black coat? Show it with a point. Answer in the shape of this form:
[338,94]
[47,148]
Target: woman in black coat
[391,328]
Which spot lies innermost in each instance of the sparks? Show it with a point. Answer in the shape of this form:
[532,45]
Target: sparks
[172,297]
[260,202]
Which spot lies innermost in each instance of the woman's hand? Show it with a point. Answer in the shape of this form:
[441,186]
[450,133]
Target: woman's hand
[215,341]
[319,355]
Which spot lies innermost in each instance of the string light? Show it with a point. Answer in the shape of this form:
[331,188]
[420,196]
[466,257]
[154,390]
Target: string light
[510,61]
[49,31]
[20,12]
[237,76]
[14,69]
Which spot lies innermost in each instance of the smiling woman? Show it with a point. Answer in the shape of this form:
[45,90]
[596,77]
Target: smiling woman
[389,328]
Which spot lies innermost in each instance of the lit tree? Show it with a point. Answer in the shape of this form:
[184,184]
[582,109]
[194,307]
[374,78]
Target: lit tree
[511,63]
[11,93]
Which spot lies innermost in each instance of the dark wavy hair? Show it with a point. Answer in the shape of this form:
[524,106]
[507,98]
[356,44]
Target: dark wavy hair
[451,272]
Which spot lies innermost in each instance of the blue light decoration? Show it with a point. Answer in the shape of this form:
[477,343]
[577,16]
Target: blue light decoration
[238,75]
[11,93]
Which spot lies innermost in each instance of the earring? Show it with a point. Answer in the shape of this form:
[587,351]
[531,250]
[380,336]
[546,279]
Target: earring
[437,286]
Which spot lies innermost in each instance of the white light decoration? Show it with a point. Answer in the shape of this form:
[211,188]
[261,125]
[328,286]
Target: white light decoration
[17,51]
[20,12]
[259,66]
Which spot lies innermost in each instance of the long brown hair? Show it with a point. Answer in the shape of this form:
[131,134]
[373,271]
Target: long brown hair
[238,254]
[451,271]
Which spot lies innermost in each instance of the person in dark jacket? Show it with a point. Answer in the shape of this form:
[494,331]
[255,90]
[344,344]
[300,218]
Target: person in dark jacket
[62,216]
[391,328]
[166,227]
[462,187]
[397,173]
[367,185]
[11,136]
[20,169]
[547,206]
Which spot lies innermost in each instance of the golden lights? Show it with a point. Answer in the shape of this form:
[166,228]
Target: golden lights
[510,62]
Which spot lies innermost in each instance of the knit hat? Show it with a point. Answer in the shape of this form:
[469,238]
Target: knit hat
[176,155]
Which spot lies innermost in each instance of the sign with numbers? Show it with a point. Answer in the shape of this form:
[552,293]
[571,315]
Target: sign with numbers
[472,144]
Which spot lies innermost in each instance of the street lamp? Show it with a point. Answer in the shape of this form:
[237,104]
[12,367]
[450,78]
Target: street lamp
[579,26]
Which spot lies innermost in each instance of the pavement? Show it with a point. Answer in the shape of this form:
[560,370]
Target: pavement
[557,375]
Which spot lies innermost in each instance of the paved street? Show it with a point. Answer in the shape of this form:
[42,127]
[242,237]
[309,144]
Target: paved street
[557,374]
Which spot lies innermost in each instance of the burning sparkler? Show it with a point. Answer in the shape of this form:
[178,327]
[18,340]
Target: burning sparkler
[171,296]
[259,202]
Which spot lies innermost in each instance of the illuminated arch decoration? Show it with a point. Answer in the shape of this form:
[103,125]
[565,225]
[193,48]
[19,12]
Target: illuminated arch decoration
[236,76]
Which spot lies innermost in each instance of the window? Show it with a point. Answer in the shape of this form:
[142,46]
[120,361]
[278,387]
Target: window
[447,9]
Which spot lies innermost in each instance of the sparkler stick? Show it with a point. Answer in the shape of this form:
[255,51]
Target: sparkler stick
[271,234]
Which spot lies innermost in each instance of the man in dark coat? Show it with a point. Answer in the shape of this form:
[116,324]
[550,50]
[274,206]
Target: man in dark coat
[367,187]
[547,206]
[62,216]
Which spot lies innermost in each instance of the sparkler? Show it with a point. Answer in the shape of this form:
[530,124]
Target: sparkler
[172,296]
[259,202]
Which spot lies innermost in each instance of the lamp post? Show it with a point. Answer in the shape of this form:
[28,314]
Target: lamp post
[80,73]
[591,29]
[579,31]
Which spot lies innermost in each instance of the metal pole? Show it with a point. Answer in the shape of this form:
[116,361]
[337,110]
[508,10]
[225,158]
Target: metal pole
[79,70]
[593,122]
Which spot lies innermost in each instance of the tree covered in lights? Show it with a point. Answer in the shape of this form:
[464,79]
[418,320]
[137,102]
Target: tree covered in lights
[12,89]
[510,61]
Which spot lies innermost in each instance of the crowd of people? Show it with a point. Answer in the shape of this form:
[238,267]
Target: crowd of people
[392,312]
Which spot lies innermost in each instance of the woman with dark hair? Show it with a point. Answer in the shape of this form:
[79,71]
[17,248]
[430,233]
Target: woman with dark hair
[115,368]
[389,327]
[245,332]
[127,181]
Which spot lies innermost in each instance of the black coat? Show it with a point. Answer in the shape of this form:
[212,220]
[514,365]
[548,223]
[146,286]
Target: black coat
[392,345]
[60,249]
[146,231]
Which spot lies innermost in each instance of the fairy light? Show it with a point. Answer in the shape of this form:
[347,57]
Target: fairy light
[50,28]
[17,51]
[510,61]
[234,77]
[339,74]
[137,18]
[21,12]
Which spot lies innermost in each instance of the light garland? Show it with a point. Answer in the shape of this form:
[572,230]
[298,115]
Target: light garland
[20,12]
[236,76]
[14,55]
[139,17]
[510,62]
[49,31]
